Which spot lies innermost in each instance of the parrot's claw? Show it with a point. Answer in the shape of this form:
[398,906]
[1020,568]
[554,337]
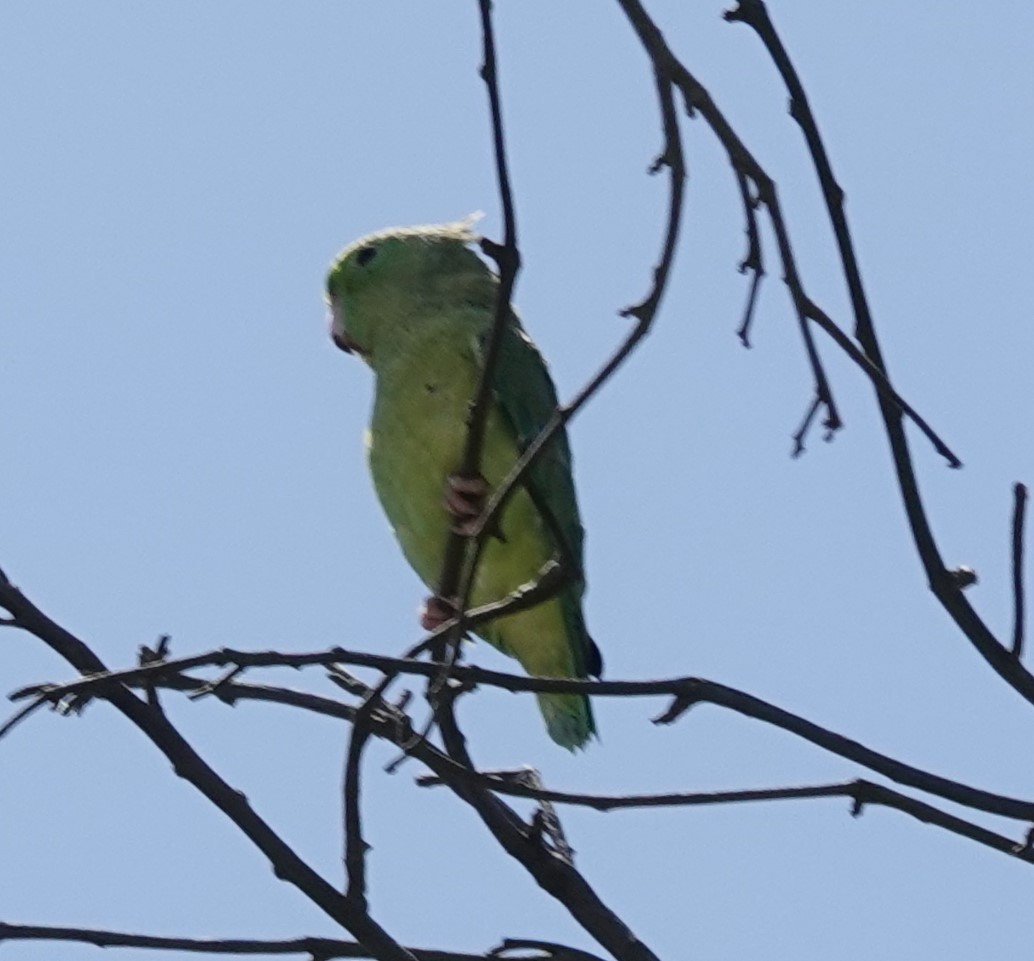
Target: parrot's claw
[464,500]
[436,611]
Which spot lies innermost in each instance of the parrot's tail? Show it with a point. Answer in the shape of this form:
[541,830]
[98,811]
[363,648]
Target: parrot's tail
[569,719]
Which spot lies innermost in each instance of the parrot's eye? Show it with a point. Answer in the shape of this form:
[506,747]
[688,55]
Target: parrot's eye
[365,255]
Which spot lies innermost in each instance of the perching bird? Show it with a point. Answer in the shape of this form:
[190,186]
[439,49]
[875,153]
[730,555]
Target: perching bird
[417,305]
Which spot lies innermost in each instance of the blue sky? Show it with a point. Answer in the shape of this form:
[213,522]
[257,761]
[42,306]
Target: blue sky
[182,454]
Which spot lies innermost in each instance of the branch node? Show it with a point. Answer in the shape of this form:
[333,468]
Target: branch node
[963,576]
[679,705]
[1026,847]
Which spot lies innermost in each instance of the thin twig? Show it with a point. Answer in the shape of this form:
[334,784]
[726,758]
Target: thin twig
[547,951]
[644,312]
[860,791]
[753,260]
[394,727]
[1019,510]
[879,380]
[508,260]
[943,585]
[456,575]
[802,431]
[355,844]
[514,787]
[528,595]
[697,98]
[323,948]
[686,691]
[15,719]
[188,764]
[744,164]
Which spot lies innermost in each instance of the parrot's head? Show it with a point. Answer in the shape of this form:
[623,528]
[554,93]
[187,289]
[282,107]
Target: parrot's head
[382,284]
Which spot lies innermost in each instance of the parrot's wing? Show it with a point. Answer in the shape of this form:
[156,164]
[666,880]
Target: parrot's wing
[527,399]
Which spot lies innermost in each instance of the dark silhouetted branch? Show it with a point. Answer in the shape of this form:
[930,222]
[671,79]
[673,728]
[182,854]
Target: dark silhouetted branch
[860,791]
[746,167]
[550,870]
[508,260]
[395,728]
[685,691]
[1018,512]
[943,585]
[544,951]
[188,764]
[323,948]
[753,260]
[644,312]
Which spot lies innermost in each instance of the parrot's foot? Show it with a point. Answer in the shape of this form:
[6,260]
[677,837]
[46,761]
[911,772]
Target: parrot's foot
[464,500]
[436,611]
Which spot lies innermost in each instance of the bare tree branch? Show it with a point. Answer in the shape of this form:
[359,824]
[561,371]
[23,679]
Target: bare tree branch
[685,691]
[551,871]
[448,772]
[508,259]
[696,98]
[802,431]
[644,312]
[860,791]
[745,165]
[1018,512]
[355,844]
[323,948]
[942,584]
[20,715]
[188,764]
[540,846]
[753,260]
[544,951]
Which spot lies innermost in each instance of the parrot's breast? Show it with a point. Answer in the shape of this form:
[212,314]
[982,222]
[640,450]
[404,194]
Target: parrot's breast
[415,441]
[417,434]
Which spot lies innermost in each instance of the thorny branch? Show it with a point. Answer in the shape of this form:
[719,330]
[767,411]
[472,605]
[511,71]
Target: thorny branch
[446,644]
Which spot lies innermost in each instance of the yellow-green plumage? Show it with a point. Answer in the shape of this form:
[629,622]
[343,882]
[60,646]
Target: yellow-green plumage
[417,304]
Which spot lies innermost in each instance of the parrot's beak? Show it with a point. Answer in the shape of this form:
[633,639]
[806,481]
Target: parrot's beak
[343,341]
[337,331]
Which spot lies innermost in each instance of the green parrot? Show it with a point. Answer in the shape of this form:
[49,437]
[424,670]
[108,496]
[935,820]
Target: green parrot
[417,305]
